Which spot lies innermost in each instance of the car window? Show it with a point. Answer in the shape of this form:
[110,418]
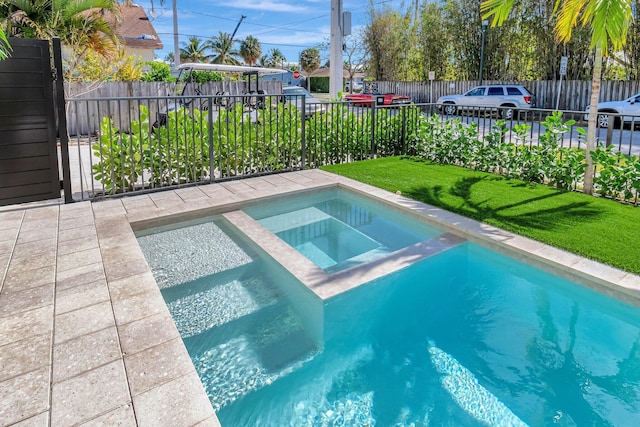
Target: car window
[478,91]
[511,90]
[295,91]
[636,99]
[496,91]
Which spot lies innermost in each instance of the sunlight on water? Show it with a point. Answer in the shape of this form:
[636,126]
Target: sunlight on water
[469,394]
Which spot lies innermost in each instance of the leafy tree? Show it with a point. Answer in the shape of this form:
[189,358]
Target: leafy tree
[608,21]
[632,48]
[194,50]
[383,37]
[463,24]
[95,68]
[309,61]
[356,55]
[433,41]
[250,50]
[223,51]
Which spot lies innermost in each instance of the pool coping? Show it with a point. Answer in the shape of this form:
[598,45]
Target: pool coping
[81,315]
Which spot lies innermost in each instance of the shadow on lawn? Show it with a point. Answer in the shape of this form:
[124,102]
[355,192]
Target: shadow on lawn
[557,215]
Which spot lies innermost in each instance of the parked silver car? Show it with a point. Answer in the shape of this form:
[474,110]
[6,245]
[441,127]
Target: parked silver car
[312,104]
[507,99]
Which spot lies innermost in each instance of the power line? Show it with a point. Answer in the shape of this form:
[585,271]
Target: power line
[275,27]
[265,43]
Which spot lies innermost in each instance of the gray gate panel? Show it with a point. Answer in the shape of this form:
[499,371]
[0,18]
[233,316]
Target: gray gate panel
[24,164]
[24,136]
[25,193]
[15,151]
[28,153]
[24,178]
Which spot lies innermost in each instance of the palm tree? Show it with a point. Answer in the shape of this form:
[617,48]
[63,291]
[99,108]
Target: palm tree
[250,50]
[277,57]
[194,50]
[80,24]
[223,51]
[609,21]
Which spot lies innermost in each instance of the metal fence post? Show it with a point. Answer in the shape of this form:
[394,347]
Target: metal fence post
[62,121]
[373,127]
[303,146]
[210,138]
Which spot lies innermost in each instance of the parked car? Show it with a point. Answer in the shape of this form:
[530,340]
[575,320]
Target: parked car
[626,111]
[357,86]
[312,104]
[507,99]
[370,94]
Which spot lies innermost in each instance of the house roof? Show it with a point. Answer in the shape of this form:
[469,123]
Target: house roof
[325,71]
[134,28]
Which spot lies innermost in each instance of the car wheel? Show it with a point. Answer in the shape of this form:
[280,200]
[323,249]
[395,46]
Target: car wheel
[508,113]
[603,120]
[450,109]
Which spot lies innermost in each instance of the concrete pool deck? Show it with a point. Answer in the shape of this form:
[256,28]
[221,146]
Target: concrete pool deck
[85,336]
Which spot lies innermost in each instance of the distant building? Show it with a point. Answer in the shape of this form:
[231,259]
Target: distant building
[135,31]
[320,80]
[286,78]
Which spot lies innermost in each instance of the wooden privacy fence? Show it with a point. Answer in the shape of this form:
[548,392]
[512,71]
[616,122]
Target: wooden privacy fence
[574,94]
[83,118]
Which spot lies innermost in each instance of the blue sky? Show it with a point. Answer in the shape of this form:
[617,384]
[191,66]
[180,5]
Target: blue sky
[289,25]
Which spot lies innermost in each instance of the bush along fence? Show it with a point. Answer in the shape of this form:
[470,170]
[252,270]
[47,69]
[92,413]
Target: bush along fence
[547,162]
[209,139]
[226,138]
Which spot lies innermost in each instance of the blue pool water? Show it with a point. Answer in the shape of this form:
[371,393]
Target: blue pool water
[338,230]
[467,337]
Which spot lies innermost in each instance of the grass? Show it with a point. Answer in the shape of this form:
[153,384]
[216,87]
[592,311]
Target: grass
[596,228]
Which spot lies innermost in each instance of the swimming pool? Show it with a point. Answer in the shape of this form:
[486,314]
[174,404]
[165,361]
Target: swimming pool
[466,336]
[337,230]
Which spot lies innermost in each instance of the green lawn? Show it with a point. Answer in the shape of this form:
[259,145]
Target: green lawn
[600,229]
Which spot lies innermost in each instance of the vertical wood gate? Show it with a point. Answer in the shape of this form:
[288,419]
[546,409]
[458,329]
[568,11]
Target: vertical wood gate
[28,151]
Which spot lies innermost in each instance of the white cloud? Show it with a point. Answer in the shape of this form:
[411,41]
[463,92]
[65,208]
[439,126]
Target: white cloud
[266,5]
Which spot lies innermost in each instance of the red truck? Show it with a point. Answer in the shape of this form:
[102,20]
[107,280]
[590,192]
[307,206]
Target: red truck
[371,95]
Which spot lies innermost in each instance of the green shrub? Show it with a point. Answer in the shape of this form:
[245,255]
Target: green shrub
[270,139]
[158,72]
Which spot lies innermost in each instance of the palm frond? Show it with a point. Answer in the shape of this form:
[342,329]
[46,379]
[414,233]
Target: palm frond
[499,9]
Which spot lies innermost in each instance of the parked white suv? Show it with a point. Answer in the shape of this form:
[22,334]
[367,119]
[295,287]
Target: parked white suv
[507,99]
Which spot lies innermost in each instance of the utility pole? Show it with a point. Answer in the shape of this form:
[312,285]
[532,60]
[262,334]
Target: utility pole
[335,59]
[176,43]
[237,26]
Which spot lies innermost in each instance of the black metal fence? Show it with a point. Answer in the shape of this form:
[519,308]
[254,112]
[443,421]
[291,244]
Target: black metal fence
[136,144]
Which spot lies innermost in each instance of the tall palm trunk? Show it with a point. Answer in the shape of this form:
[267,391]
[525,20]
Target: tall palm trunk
[593,117]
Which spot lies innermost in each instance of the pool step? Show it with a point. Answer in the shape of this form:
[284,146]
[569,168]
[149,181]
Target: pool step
[205,283]
[207,303]
[292,220]
[234,368]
